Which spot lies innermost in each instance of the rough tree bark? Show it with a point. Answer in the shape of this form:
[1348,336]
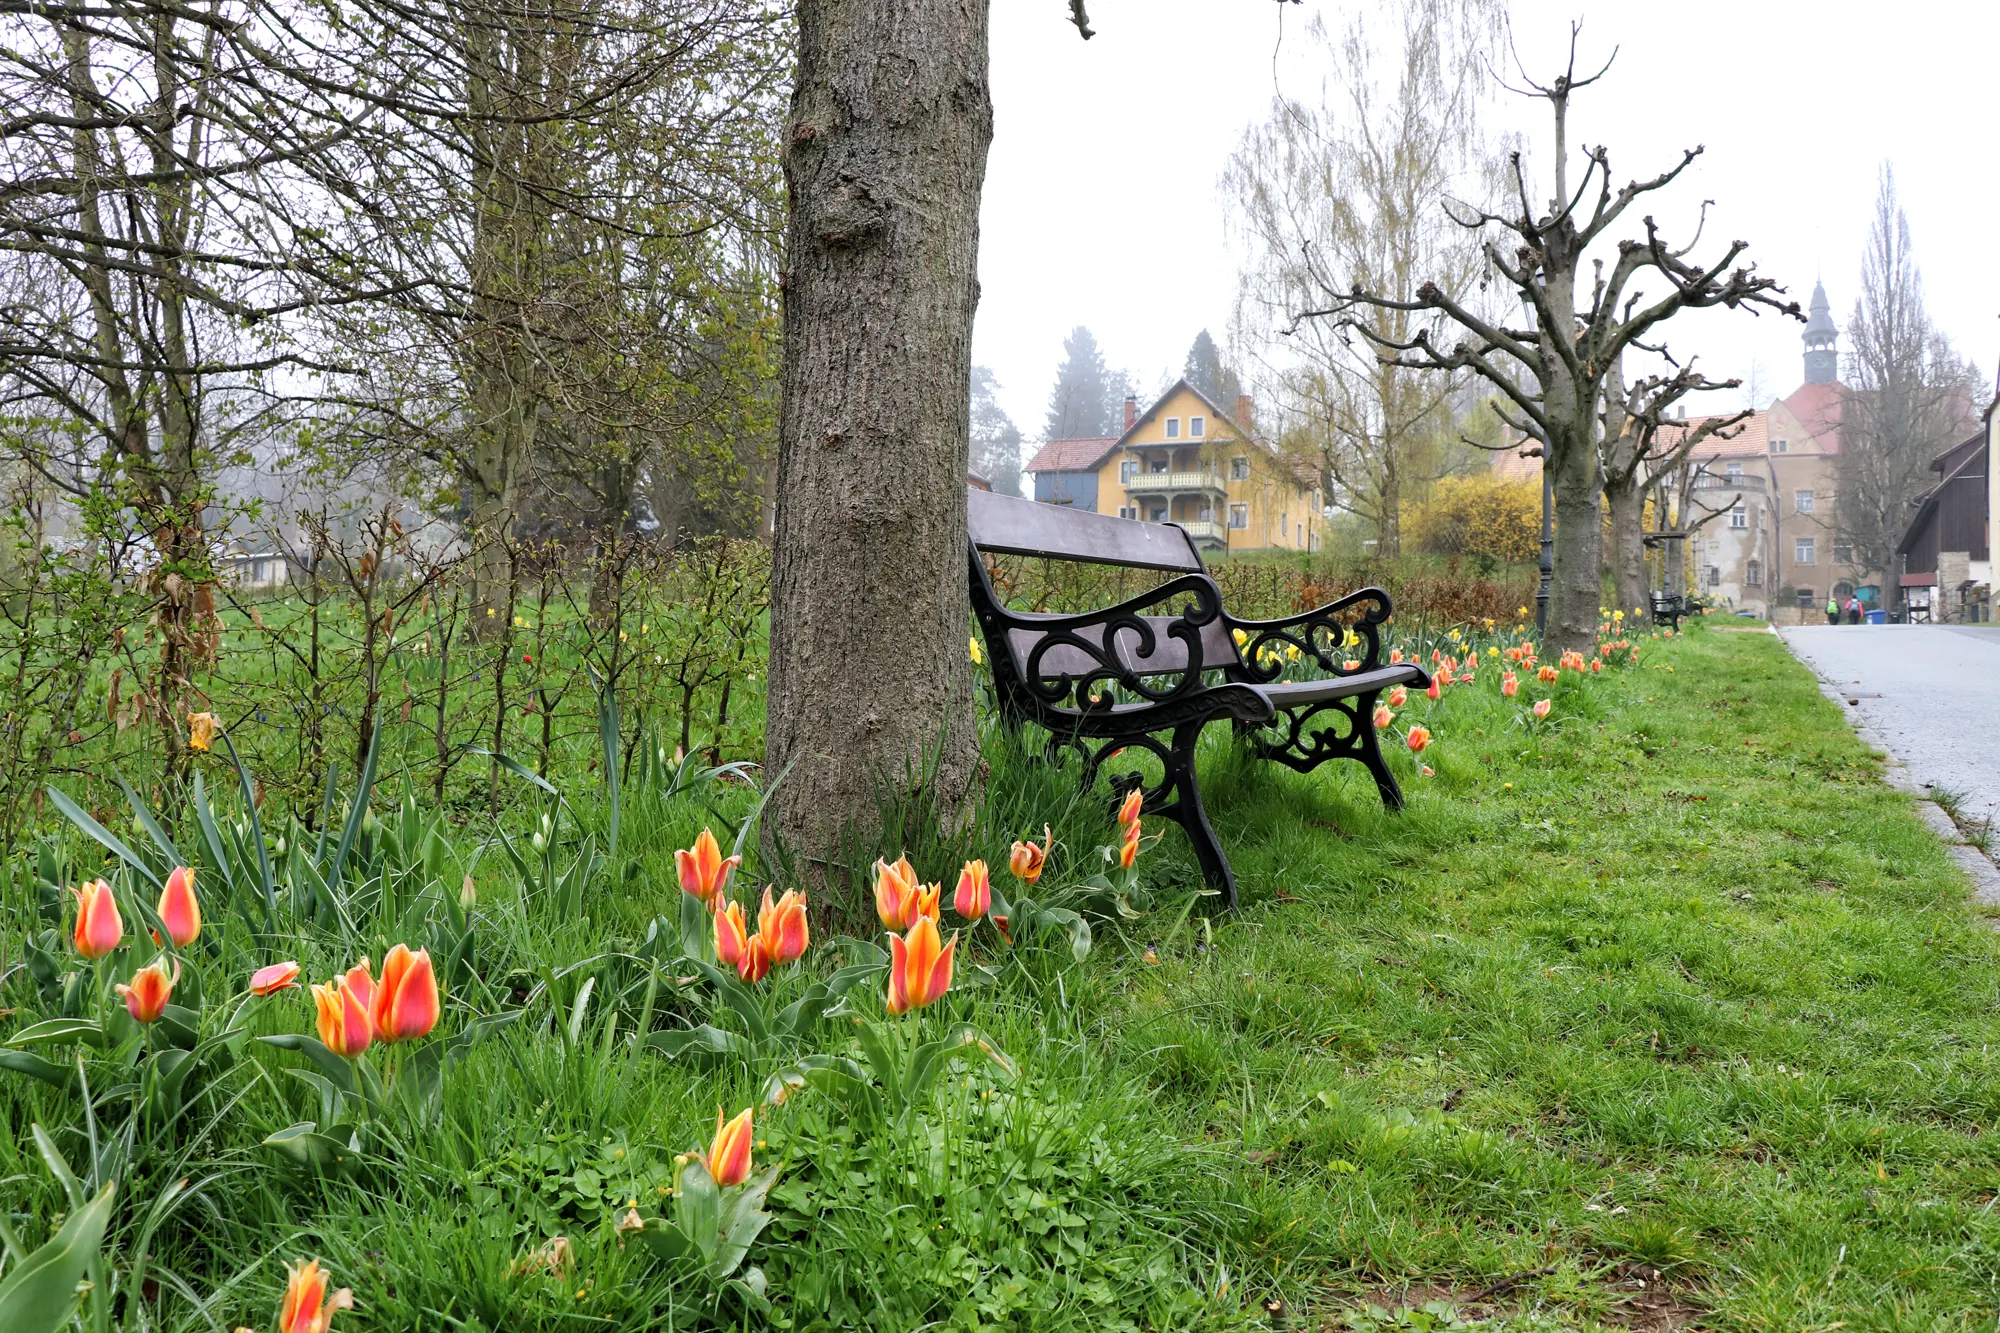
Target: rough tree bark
[870,678]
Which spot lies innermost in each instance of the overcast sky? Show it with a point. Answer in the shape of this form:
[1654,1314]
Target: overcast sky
[1102,208]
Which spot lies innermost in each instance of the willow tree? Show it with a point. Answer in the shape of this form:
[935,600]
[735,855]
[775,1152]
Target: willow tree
[1353,180]
[1546,344]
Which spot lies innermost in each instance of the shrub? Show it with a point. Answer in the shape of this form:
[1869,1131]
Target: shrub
[1480,515]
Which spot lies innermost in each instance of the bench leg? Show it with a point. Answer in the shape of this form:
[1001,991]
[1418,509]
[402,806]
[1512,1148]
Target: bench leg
[1372,759]
[1187,811]
[1349,733]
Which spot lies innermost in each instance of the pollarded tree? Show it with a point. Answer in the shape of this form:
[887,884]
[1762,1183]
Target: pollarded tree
[1548,348]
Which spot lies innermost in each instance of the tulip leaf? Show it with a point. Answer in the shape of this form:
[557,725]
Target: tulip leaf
[741,1218]
[34,1066]
[41,1291]
[173,1068]
[698,1210]
[181,1025]
[664,1238]
[335,1068]
[249,796]
[831,1073]
[305,1145]
[84,1030]
[82,819]
[750,1288]
[147,821]
[712,1040]
[930,1059]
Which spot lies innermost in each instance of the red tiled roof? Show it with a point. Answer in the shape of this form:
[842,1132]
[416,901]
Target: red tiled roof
[1818,408]
[1071,455]
[1752,435]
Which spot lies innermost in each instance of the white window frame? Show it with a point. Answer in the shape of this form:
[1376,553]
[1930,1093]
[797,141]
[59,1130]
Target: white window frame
[1739,517]
[1780,445]
[1173,428]
[1802,502]
[1732,469]
[1239,517]
[1127,470]
[1197,428]
[1753,574]
[1805,551]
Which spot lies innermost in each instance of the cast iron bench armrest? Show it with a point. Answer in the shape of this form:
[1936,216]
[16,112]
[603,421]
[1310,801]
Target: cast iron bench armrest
[1125,625]
[1304,632]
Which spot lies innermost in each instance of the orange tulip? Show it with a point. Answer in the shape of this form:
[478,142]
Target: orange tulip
[180,913]
[732,939]
[146,997]
[1128,851]
[1547,673]
[1510,685]
[974,895]
[1395,656]
[361,982]
[919,967]
[756,960]
[1596,666]
[1383,717]
[98,927]
[1541,708]
[1027,860]
[406,1002]
[1398,697]
[270,980]
[896,893]
[344,1026]
[308,1308]
[1129,809]
[1419,738]
[201,730]
[1444,676]
[1435,689]
[728,1157]
[1351,664]
[783,926]
[703,869]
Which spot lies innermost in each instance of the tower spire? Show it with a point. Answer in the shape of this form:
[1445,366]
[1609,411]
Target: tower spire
[1821,337]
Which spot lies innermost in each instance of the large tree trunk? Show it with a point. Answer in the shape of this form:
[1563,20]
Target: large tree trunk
[1626,500]
[1389,521]
[870,680]
[1576,588]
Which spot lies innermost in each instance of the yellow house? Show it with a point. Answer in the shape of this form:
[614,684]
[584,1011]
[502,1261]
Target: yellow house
[1185,460]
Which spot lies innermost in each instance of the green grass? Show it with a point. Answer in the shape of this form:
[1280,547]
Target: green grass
[1696,1002]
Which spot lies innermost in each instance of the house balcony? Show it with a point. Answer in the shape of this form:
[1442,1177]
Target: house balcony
[1722,481]
[1175,483]
[1204,532]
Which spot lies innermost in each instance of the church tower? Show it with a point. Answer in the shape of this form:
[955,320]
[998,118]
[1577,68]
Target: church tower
[1822,361]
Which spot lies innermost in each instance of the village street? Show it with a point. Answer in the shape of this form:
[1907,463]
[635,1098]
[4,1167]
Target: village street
[1927,692]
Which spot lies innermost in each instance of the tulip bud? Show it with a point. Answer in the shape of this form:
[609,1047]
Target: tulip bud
[270,980]
[538,842]
[728,1156]
[974,894]
[1130,808]
[98,927]
[1128,851]
[146,998]
[180,911]
[406,1000]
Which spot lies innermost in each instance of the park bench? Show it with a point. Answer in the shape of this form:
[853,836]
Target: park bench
[1670,608]
[1126,676]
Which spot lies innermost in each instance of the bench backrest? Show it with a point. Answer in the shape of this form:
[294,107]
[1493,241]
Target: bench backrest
[1009,525]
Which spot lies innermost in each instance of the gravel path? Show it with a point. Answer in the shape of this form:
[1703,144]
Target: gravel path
[1930,693]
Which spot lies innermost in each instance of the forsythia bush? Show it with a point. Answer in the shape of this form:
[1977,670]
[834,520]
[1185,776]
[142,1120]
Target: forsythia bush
[1480,515]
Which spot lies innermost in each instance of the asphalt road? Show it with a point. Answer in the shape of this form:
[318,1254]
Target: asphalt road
[1931,693]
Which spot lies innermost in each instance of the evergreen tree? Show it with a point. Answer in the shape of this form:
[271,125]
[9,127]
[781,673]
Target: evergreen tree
[1082,406]
[1205,371]
[996,440]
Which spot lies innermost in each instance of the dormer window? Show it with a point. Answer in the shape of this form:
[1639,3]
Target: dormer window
[1173,428]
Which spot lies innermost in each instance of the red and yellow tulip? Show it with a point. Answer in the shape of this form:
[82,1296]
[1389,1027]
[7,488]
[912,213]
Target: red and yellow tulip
[270,980]
[728,1157]
[180,912]
[756,962]
[782,926]
[1026,861]
[732,936]
[1128,848]
[1510,685]
[1129,809]
[973,897]
[308,1307]
[1541,708]
[406,1003]
[919,967]
[896,893]
[1398,697]
[704,870]
[1419,739]
[344,1025]
[146,998]
[1383,716]
[98,927]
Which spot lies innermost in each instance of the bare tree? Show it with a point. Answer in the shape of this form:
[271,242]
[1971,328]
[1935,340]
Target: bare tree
[1548,367]
[1639,444]
[1910,395]
[1354,183]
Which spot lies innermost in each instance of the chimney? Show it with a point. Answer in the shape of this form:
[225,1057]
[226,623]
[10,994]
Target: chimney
[1245,412]
[1131,409]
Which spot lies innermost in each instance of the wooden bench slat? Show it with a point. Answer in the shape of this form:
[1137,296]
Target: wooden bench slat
[1009,525]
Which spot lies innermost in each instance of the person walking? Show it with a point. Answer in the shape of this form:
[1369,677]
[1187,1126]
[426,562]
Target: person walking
[1854,610]
[1832,609]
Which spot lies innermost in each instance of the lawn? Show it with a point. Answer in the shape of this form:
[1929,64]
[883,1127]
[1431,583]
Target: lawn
[1664,1012]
